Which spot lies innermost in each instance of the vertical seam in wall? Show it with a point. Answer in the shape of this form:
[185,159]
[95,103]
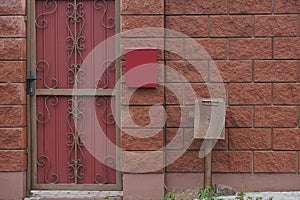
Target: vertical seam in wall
[253,78]
[252,162]
[273,5]
[272,48]
[253,114]
[228,7]
[297,25]
[297,71]
[208,25]
[272,136]
[253,26]
[164,81]
[208,70]
[297,116]
[228,48]
[272,94]
[297,162]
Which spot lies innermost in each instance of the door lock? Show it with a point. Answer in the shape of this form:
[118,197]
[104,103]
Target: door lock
[30,84]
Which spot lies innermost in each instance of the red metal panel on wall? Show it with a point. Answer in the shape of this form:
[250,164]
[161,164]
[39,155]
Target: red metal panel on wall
[66,32]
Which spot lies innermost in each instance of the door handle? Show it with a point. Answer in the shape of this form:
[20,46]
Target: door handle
[30,86]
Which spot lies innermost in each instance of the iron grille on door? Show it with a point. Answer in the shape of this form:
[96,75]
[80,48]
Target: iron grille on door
[65,33]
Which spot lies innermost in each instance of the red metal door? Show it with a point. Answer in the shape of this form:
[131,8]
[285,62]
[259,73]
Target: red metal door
[66,32]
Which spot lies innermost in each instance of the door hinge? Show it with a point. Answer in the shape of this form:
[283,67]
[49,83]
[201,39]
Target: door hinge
[30,84]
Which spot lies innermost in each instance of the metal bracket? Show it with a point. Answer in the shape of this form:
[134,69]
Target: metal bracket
[30,84]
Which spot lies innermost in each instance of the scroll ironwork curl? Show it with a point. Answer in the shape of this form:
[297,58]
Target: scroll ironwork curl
[44,161]
[108,22]
[43,118]
[40,22]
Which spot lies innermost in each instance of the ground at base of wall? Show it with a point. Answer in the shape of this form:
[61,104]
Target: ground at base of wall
[294,195]
[78,195]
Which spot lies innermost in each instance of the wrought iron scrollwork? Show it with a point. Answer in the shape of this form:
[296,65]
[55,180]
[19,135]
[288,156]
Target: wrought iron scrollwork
[103,82]
[75,41]
[108,22]
[43,118]
[43,66]
[51,5]
[44,161]
[103,101]
[99,178]
[76,157]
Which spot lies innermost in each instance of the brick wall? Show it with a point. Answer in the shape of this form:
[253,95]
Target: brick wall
[12,86]
[256,46]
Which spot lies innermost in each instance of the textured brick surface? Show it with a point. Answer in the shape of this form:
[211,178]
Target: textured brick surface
[12,49]
[12,26]
[250,6]
[206,7]
[12,138]
[257,48]
[142,96]
[206,48]
[12,116]
[239,116]
[249,138]
[174,138]
[231,71]
[180,116]
[286,6]
[12,7]
[183,71]
[175,6]
[189,25]
[276,25]
[237,161]
[12,160]
[286,139]
[286,93]
[275,71]
[12,71]
[142,139]
[141,116]
[275,116]
[250,94]
[142,7]
[142,161]
[174,93]
[189,161]
[226,26]
[286,48]
[12,93]
[275,161]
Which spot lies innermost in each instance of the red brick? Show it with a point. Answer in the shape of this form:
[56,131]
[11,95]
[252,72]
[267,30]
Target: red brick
[275,116]
[184,161]
[206,7]
[174,48]
[286,93]
[239,116]
[286,6]
[12,6]
[12,48]
[132,22]
[276,25]
[12,138]
[142,7]
[180,116]
[205,48]
[191,26]
[249,138]
[142,116]
[199,90]
[175,6]
[187,71]
[12,160]
[12,93]
[275,161]
[142,96]
[286,139]
[286,48]
[142,139]
[12,116]
[174,93]
[12,71]
[232,161]
[174,138]
[12,26]
[231,71]
[250,6]
[275,71]
[142,161]
[250,94]
[226,26]
[250,48]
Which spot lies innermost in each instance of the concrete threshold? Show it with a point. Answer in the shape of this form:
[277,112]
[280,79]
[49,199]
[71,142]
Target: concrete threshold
[76,195]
